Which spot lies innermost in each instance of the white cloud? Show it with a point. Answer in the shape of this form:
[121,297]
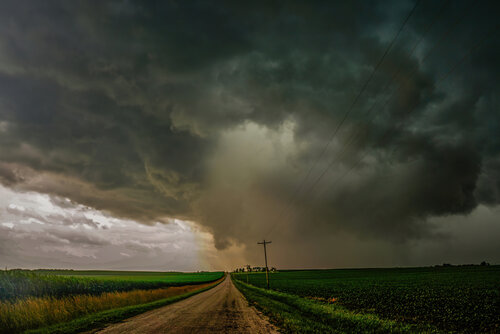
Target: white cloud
[40,231]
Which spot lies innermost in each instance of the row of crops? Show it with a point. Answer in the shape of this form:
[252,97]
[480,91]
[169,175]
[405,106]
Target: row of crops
[39,299]
[462,299]
[18,284]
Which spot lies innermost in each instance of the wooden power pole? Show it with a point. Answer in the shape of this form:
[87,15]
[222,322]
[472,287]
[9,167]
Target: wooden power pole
[265,256]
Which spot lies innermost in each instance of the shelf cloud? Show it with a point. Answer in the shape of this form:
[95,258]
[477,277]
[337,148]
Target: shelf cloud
[220,113]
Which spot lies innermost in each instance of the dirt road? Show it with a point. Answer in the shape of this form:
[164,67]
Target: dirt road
[222,309]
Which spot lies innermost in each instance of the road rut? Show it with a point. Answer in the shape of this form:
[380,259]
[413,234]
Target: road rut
[222,309]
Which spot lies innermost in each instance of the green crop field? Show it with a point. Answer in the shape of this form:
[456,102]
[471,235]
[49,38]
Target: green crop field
[40,298]
[461,299]
[15,284]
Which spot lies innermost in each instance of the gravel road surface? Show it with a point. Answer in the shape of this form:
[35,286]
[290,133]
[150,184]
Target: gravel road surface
[222,309]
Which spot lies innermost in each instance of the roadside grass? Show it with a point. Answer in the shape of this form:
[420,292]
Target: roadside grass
[64,315]
[294,314]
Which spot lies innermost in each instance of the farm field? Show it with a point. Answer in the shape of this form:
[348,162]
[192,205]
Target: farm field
[169,277]
[33,299]
[15,284]
[460,299]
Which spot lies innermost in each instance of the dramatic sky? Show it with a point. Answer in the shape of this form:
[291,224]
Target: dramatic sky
[174,135]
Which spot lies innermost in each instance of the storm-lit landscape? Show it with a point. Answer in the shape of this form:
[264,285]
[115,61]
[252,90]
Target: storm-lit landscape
[249,167]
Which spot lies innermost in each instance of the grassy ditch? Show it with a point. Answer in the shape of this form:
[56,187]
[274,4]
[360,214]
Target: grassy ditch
[294,314]
[72,314]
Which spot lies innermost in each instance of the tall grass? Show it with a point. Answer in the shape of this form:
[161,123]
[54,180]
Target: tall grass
[17,284]
[35,312]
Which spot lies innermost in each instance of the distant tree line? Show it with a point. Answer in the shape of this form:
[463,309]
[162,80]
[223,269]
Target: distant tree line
[484,263]
[250,269]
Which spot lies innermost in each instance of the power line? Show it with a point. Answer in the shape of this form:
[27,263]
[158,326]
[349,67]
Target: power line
[400,87]
[339,125]
[400,67]
[394,77]
[442,37]
[413,107]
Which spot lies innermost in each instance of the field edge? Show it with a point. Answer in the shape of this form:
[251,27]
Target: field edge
[94,322]
[295,314]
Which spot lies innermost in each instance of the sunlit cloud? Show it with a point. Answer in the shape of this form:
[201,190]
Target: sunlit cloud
[39,230]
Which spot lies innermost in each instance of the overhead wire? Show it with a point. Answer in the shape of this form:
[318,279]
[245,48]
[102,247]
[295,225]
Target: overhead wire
[342,121]
[441,78]
[394,93]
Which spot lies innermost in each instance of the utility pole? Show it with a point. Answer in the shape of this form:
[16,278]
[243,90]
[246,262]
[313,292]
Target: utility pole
[264,242]
[248,267]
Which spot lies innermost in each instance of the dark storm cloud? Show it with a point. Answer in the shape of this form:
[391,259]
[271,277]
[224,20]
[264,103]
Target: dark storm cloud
[160,109]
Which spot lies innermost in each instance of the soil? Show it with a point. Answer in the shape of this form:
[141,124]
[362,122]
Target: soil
[222,309]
